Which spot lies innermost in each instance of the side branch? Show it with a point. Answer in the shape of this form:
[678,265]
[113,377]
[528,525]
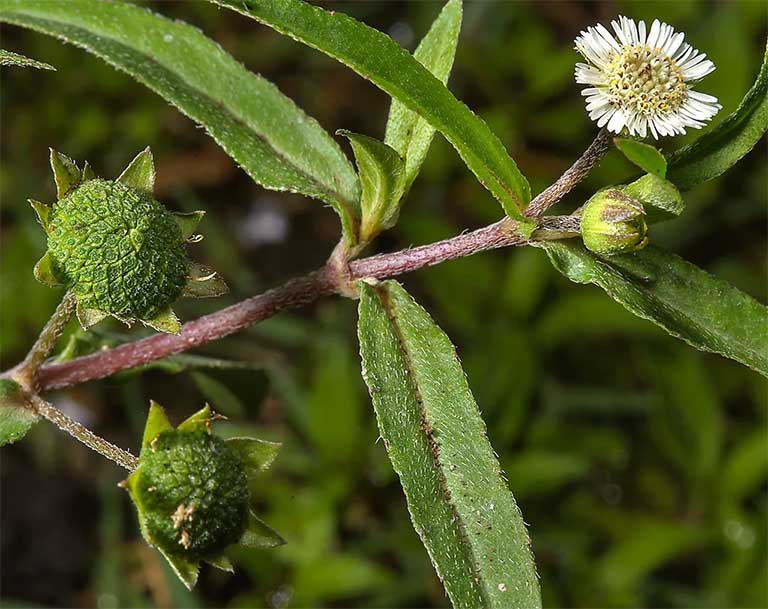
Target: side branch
[26,371]
[114,453]
[292,294]
[321,282]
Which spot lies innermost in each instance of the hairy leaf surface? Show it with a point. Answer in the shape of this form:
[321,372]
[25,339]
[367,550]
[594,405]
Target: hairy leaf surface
[273,140]
[457,496]
[9,58]
[386,64]
[684,300]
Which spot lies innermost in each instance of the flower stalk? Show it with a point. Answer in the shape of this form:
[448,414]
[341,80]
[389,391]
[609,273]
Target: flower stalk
[26,372]
[82,434]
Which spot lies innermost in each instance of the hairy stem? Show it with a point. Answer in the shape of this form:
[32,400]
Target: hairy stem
[114,453]
[26,372]
[324,281]
[572,176]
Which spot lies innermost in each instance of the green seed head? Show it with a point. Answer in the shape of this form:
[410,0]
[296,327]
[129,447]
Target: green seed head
[613,223]
[118,249]
[192,494]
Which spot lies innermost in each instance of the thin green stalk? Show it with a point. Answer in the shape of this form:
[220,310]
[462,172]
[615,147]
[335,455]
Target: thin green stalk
[26,372]
[114,453]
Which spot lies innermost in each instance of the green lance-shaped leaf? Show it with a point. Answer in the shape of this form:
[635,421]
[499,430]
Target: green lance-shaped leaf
[272,139]
[684,300]
[386,64]
[407,132]
[382,177]
[645,156]
[718,150]
[661,199]
[16,417]
[459,502]
[9,58]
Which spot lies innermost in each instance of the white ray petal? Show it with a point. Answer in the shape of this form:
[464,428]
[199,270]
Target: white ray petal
[653,36]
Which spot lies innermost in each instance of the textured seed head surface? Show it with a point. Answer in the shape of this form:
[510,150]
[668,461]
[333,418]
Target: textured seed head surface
[192,494]
[121,251]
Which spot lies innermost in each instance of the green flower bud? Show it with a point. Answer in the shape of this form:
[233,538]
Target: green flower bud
[192,492]
[613,223]
[117,249]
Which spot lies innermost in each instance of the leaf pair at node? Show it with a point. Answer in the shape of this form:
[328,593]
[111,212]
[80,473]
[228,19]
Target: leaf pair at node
[192,492]
[119,250]
[387,169]
[383,183]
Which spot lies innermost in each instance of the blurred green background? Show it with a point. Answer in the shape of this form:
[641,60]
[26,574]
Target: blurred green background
[640,464]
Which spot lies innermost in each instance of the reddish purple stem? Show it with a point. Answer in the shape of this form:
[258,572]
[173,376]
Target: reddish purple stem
[308,288]
[291,294]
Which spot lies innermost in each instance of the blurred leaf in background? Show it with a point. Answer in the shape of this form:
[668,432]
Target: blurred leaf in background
[640,464]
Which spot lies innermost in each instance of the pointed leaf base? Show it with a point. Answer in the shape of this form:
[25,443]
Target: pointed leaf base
[88,173]
[43,212]
[260,535]
[223,563]
[186,571]
[156,423]
[44,272]
[165,321]
[65,173]
[256,455]
[203,283]
[140,173]
[201,419]
[89,317]
[188,222]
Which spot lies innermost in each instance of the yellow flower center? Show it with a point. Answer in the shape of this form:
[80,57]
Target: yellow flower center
[645,81]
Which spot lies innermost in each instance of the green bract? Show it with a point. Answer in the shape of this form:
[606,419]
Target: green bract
[192,492]
[119,250]
[612,222]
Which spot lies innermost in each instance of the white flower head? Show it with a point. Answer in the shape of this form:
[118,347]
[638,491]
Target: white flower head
[639,80]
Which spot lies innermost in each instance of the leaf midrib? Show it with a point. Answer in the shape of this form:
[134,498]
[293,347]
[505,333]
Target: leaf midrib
[673,311]
[434,451]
